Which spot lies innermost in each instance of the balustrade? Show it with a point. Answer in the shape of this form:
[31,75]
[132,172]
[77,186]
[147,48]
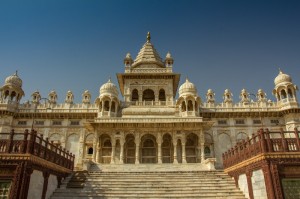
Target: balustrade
[34,144]
[261,143]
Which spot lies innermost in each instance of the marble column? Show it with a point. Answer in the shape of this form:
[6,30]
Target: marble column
[202,152]
[159,160]
[137,161]
[159,142]
[137,147]
[175,152]
[122,151]
[95,146]
[113,151]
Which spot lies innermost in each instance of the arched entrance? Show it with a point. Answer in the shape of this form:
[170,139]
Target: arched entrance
[129,150]
[148,95]
[148,149]
[191,148]
[167,149]
[105,151]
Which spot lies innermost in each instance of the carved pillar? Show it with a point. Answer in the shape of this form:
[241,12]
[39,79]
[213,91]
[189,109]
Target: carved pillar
[159,142]
[102,110]
[249,182]
[95,151]
[276,180]
[175,152]
[25,181]
[122,151]
[156,93]
[81,149]
[183,141]
[268,180]
[202,152]
[113,151]
[137,151]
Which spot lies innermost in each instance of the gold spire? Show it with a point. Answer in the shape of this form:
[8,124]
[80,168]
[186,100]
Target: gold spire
[148,37]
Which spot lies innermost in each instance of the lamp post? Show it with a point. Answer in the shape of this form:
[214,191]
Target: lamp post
[35,108]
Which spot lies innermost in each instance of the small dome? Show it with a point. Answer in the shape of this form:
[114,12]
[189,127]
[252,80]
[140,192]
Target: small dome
[14,80]
[168,56]
[187,88]
[282,77]
[109,88]
[128,56]
[86,92]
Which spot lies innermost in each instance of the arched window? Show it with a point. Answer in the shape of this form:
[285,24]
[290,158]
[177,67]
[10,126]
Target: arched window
[113,106]
[162,95]
[290,93]
[196,107]
[135,95]
[6,94]
[190,105]
[13,94]
[283,94]
[106,106]
[148,95]
[183,106]
[90,151]
[207,151]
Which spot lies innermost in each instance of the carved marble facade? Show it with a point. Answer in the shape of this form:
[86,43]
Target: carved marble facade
[150,124]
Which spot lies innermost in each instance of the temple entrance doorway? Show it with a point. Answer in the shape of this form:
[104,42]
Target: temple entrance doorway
[148,149]
[129,150]
[167,149]
[105,149]
[191,148]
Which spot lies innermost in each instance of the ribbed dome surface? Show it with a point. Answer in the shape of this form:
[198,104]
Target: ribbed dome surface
[14,80]
[187,88]
[109,88]
[282,77]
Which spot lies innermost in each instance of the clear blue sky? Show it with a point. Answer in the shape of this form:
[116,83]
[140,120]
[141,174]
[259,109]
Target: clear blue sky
[77,44]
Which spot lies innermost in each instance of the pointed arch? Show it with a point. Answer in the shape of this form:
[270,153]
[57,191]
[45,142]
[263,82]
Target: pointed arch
[162,95]
[148,95]
[135,95]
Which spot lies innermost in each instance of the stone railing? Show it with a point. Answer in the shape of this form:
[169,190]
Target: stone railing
[34,144]
[261,143]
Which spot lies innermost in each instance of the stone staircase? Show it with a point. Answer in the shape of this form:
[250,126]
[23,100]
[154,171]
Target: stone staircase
[149,184]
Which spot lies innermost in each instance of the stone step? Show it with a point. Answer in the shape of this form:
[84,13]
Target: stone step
[154,196]
[161,184]
[149,193]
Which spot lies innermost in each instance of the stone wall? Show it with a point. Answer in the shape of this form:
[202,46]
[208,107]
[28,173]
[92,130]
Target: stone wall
[36,185]
[243,185]
[258,185]
[52,185]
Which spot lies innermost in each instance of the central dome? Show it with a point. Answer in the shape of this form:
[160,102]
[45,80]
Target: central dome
[187,88]
[14,80]
[109,88]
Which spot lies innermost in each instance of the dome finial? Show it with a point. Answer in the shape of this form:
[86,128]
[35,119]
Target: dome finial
[148,37]
[280,71]
[109,79]
[16,73]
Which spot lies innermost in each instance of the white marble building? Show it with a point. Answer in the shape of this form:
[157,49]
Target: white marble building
[149,125]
